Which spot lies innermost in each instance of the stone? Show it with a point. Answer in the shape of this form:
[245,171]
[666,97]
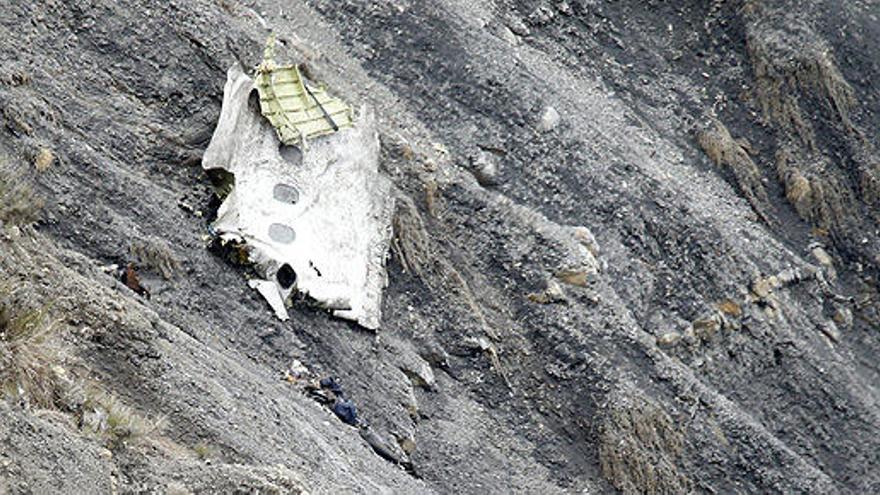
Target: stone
[586,238]
[574,277]
[507,35]
[763,287]
[549,119]
[435,355]
[419,373]
[407,444]
[518,27]
[552,294]
[829,328]
[730,307]
[669,339]
[705,328]
[485,168]
[822,256]
[843,317]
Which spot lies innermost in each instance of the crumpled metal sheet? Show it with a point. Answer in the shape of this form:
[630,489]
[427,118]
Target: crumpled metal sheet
[324,212]
[297,111]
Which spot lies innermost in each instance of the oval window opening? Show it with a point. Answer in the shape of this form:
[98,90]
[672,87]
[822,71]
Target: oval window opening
[286,276]
[285,193]
[290,154]
[281,233]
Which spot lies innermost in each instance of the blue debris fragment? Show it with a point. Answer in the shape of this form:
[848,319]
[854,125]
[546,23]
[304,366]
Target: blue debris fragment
[330,383]
[346,411]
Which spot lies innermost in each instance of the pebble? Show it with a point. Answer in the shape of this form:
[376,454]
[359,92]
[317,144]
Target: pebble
[831,331]
[843,317]
[549,120]
[822,256]
[507,35]
[518,27]
[669,339]
[485,168]
[420,374]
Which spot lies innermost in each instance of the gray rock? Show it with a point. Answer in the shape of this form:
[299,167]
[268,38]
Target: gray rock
[485,168]
[549,119]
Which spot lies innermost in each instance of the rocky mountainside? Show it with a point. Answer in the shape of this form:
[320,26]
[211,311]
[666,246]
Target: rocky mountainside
[636,248]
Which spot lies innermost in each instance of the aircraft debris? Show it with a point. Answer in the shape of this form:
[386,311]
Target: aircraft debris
[302,191]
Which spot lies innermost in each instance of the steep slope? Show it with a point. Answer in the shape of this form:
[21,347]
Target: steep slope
[636,247]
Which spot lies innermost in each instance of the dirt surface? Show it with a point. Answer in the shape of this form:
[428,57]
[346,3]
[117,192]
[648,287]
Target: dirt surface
[636,249]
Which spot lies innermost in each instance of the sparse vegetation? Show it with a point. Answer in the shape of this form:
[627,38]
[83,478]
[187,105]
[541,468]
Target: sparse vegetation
[638,447]
[794,79]
[28,353]
[155,254]
[816,195]
[44,159]
[19,205]
[204,451]
[410,245]
[31,372]
[104,414]
[782,70]
[735,154]
[730,307]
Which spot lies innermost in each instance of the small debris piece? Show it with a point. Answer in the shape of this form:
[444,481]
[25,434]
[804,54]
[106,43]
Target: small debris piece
[131,280]
[110,269]
[269,291]
[297,371]
[332,384]
[345,410]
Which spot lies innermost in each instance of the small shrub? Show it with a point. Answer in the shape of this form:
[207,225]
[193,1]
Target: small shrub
[107,416]
[204,451]
[154,254]
[730,308]
[638,448]
[44,159]
[28,354]
[19,205]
